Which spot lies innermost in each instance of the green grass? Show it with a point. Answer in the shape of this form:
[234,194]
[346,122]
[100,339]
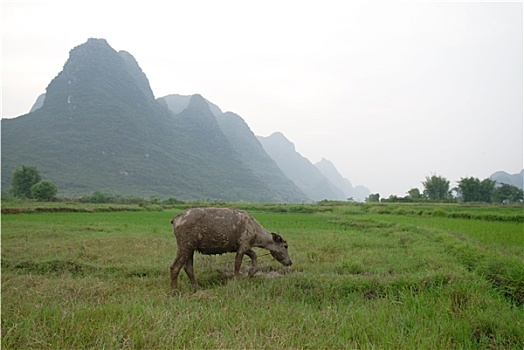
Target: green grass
[495,234]
[361,278]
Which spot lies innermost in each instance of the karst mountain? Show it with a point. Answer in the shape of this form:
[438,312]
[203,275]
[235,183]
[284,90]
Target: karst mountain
[98,127]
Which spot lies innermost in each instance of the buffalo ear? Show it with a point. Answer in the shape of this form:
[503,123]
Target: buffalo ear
[276,237]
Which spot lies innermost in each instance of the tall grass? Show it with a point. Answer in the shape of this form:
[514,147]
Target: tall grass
[359,280]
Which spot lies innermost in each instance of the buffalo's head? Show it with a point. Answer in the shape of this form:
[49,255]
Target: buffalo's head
[278,250]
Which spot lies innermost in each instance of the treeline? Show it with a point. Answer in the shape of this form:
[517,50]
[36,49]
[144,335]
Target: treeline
[108,198]
[27,183]
[470,189]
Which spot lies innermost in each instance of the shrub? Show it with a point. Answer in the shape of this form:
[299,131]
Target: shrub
[44,191]
[99,197]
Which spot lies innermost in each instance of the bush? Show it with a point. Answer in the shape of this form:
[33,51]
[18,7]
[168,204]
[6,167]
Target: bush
[171,201]
[44,191]
[99,197]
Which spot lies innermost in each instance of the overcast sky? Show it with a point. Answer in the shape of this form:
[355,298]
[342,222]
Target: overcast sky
[390,92]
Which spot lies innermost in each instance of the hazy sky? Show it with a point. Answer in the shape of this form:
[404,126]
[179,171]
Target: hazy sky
[390,92]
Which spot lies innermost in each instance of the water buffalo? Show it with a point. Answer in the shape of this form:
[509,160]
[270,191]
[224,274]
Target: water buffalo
[222,230]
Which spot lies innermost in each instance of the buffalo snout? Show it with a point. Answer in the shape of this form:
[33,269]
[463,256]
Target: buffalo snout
[282,258]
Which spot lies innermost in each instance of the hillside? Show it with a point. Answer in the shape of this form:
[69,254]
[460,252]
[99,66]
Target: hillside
[299,169]
[253,155]
[246,144]
[90,132]
[328,169]
[100,128]
[211,159]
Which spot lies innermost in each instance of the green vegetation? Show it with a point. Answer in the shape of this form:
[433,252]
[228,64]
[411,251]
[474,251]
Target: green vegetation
[44,191]
[473,190]
[374,198]
[507,193]
[88,275]
[469,190]
[26,183]
[23,180]
[436,188]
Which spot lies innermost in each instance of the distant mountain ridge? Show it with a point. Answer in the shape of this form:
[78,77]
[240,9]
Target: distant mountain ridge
[177,103]
[245,143]
[252,153]
[38,103]
[358,193]
[516,180]
[99,127]
[299,169]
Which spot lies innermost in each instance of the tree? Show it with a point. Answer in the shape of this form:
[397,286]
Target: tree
[373,198]
[507,193]
[436,188]
[469,189]
[487,186]
[473,190]
[415,194]
[44,190]
[22,181]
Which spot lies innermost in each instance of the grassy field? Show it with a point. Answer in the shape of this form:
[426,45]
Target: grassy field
[363,276]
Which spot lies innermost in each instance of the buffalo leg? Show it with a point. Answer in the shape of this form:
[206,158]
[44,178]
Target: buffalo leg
[180,260]
[254,268]
[238,262]
[188,267]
